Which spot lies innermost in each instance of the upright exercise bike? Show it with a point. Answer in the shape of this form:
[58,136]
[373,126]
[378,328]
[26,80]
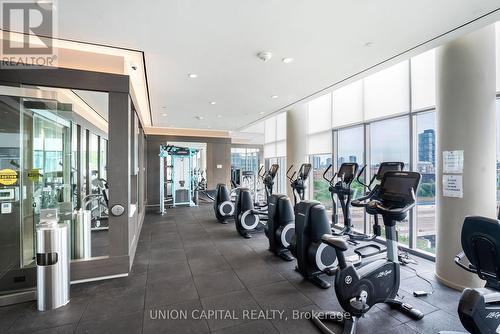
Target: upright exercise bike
[360,287]
[479,309]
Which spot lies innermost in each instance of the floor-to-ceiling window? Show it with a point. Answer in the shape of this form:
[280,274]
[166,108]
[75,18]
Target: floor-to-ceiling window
[351,148]
[426,194]
[275,149]
[390,141]
[319,188]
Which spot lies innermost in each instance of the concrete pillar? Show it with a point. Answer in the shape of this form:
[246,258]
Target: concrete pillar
[296,140]
[465,70]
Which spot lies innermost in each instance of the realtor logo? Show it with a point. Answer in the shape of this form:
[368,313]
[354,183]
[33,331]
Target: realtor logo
[27,31]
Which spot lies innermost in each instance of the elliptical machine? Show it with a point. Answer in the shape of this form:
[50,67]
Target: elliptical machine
[280,227]
[360,287]
[479,309]
[247,218]
[268,182]
[299,184]
[223,205]
[342,189]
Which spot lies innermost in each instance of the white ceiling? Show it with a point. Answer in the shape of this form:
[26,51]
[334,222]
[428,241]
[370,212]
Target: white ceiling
[219,39]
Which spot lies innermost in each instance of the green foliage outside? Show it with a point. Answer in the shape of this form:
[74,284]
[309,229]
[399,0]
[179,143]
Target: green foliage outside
[426,190]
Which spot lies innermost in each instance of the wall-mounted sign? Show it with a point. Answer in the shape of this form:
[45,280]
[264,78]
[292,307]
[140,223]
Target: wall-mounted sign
[8,177]
[453,186]
[453,161]
[34,174]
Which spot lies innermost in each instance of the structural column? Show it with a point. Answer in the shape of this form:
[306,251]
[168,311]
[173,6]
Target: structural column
[296,140]
[466,118]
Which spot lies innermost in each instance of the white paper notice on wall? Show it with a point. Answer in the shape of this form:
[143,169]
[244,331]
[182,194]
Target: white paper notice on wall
[453,186]
[453,161]
[219,166]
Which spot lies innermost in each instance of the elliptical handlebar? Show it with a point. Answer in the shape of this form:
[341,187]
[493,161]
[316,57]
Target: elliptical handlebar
[326,172]
[358,178]
[288,171]
[263,174]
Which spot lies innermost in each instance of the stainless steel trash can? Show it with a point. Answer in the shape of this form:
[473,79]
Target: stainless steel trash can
[52,264]
[81,235]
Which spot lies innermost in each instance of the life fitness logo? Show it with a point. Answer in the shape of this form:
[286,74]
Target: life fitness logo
[8,177]
[348,279]
[384,273]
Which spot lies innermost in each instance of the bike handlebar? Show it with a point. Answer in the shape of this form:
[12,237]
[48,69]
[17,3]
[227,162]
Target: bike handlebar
[458,261]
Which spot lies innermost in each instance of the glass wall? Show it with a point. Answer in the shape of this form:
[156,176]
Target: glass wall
[390,141]
[319,189]
[351,148]
[425,124]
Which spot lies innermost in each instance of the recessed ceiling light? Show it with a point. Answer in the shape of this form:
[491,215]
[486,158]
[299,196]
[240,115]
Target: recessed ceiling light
[287,60]
[193,75]
[368,44]
[274,96]
[264,55]
[261,113]
[163,107]
[209,127]
[200,118]
[219,116]
[213,102]
[164,115]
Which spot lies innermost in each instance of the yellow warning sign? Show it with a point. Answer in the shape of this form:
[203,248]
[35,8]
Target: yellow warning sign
[34,174]
[8,177]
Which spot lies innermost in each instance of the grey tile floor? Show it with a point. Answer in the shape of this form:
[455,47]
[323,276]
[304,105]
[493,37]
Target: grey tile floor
[186,262]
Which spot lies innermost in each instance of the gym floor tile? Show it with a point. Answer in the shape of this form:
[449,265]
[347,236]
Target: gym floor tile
[203,266]
[170,291]
[236,302]
[277,296]
[154,323]
[128,324]
[218,283]
[258,275]
[255,327]
[32,320]
[435,322]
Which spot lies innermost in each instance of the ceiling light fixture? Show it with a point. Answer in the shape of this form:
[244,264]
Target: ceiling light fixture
[219,116]
[193,75]
[265,55]
[213,102]
[287,60]
[164,115]
[274,96]
[261,113]
[200,118]
[368,44]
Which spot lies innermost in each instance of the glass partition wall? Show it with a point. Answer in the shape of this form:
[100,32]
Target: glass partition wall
[54,155]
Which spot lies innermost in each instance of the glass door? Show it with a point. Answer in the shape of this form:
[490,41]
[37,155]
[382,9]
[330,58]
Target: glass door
[35,174]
